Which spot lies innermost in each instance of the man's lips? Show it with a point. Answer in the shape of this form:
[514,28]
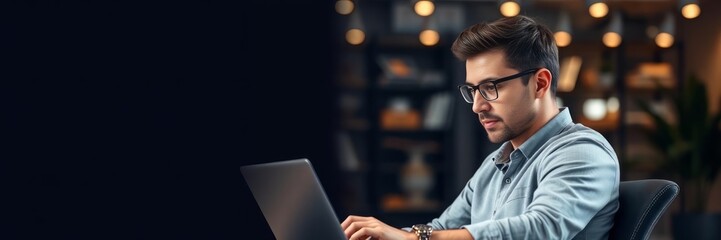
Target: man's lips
[487,123]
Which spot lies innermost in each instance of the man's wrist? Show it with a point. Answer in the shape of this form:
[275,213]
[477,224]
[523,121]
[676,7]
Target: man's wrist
[411,235]
[422,231]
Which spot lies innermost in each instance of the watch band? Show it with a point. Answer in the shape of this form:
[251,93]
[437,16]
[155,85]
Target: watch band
[423,231]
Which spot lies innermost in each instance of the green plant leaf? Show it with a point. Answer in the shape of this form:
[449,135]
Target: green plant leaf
[692,145]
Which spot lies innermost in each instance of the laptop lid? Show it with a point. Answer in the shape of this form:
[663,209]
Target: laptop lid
[292,200]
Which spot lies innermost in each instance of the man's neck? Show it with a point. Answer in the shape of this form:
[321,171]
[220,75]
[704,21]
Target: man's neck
[547,113]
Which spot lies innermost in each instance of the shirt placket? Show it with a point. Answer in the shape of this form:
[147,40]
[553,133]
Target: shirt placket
[506,180]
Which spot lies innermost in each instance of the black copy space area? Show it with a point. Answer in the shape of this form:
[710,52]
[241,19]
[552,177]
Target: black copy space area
[130,119]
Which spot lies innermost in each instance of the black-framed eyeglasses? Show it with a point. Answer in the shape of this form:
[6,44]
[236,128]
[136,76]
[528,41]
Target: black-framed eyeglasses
[488,89]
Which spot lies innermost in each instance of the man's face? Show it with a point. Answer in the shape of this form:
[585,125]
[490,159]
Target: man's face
[513,112]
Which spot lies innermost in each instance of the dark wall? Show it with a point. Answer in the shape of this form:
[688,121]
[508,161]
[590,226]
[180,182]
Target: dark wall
[130,120]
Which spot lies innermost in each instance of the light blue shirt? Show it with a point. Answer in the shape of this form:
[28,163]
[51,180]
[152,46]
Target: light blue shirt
[562,183]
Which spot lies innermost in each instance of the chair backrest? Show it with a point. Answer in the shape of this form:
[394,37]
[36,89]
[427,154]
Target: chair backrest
[641,205]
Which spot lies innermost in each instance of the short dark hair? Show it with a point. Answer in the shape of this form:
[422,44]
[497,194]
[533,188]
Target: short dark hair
[526,44]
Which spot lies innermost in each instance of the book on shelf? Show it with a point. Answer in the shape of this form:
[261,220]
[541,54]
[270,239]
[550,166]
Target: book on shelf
[437,112]
[348,155]
[399,115]
[398,69]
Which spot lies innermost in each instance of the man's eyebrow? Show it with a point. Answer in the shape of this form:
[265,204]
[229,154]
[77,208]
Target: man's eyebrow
[485,80]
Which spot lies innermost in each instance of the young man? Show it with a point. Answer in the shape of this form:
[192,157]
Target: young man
[550,179]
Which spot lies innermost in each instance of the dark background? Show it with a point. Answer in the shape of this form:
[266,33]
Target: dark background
[130,120]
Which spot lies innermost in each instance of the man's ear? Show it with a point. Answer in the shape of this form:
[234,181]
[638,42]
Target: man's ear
[543,82]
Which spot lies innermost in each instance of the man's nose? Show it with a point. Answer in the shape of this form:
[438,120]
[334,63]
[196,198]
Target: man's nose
[479,103]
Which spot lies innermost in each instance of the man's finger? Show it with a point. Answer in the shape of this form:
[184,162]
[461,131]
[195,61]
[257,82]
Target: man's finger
[352,218]
[352,229]
[364,233]
[348,220]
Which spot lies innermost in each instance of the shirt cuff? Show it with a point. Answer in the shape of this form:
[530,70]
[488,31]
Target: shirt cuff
[484,230]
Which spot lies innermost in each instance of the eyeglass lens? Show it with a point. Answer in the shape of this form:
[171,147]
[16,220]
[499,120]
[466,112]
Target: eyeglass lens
[488,92]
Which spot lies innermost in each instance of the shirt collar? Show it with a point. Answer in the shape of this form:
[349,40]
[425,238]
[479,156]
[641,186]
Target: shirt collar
[528,148]
[502,158]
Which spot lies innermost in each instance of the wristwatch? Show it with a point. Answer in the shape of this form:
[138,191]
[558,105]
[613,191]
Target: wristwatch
[423,231]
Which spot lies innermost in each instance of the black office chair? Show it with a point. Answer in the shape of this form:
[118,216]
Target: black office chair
[641,204]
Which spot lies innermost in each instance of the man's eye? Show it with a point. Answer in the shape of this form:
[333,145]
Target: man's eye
[488,87]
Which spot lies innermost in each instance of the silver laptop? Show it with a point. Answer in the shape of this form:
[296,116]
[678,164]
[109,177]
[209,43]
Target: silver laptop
[292,200]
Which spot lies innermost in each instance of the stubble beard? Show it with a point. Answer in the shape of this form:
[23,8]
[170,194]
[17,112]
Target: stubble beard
[507,132]
[502,135]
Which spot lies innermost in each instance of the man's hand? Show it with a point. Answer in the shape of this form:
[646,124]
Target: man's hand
[362,228]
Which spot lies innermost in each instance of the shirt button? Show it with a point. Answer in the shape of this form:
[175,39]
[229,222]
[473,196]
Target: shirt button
[508,180]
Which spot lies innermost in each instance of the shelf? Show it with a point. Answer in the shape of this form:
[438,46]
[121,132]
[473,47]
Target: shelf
[396,203]
[397,166]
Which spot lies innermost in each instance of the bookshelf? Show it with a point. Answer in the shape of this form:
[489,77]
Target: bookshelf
[396,125]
